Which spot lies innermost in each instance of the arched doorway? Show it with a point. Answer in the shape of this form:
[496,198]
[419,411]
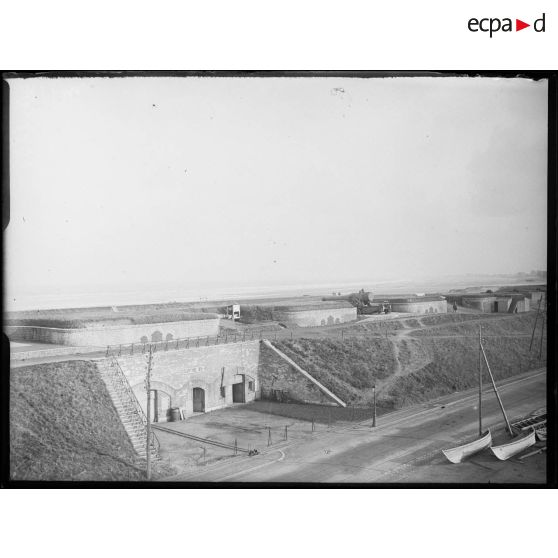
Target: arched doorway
[199,400]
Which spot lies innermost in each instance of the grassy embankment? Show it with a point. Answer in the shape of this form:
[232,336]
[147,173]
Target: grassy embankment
[63,426]
[421,358]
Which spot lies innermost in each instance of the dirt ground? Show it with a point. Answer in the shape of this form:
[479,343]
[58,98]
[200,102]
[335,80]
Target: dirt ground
[405,447]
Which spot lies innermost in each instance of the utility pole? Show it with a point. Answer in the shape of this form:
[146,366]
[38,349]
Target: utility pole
[148,389]
[542,335]
[480,381]
[535,326]
[374,396]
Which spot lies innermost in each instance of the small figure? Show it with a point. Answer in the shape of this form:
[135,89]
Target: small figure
[455,306]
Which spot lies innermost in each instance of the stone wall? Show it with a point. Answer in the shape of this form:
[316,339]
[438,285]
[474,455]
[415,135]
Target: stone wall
[419,307]
[315,317]
[482,303]
[176,373]
[114,335]
[260,372]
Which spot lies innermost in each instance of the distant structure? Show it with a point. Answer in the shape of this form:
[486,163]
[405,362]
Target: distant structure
[233,312]
[495,302]
[420,304]
[316,314]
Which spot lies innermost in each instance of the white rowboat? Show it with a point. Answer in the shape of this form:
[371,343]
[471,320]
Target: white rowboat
[506,451]
[456,455]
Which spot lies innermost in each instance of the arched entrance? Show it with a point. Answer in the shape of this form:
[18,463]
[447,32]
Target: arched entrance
[199,400]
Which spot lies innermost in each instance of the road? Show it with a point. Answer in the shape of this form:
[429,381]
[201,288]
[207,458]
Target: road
[405,447]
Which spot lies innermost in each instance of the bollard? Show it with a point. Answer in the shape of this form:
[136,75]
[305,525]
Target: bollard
[313,428]
[235,447]
[269,436]
[119,350]
[177,343]
[204,455]
[108,347]
[285,432]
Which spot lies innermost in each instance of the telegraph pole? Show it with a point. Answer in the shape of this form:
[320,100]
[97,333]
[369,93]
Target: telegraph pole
[148,388]
[374,396]
[535,326]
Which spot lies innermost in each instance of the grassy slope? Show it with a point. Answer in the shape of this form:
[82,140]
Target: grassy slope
[430,366]
[348,368]
[63,426]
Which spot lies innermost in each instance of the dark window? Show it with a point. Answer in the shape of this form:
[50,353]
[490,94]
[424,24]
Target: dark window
[251,386]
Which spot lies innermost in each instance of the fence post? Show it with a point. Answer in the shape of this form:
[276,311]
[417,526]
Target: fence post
[285,432]
[119,350]
[313,424]
[108,347]
[269,436]
[235,447]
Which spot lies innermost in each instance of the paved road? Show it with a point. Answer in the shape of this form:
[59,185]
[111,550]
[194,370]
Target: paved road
[404,448]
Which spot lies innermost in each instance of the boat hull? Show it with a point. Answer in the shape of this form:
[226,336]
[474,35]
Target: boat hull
[459,453]
[505,451]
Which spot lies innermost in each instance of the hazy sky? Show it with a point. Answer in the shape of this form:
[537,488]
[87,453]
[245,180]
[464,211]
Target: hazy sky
[150,181]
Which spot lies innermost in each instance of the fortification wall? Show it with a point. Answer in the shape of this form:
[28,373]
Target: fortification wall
[316,317]
[114,335]
[484,304]
[419,307]
[177,373]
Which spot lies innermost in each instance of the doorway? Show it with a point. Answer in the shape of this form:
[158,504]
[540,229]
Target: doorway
[199,400]
[238,393]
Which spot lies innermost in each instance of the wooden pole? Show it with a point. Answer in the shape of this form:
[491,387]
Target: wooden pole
[542,335]
[374,400]
[535,326]
[480,381]
[496,392]
[148,388]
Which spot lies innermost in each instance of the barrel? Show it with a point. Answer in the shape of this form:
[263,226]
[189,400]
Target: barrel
[174,414]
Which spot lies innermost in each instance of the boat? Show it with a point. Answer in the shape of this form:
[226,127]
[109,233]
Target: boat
[541,434]
[505,451]
[457,454]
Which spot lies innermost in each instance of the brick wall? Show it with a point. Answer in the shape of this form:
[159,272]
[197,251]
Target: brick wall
[114,335]
[318,317]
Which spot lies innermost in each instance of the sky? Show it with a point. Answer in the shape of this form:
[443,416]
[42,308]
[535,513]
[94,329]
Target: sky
[142,183]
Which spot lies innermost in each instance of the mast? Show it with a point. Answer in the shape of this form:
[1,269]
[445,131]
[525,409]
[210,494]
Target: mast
[496,392]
